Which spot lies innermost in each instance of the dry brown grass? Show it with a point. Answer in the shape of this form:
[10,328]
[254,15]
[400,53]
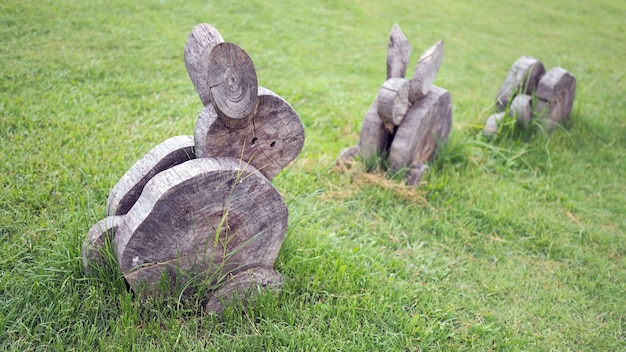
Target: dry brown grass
[356,177]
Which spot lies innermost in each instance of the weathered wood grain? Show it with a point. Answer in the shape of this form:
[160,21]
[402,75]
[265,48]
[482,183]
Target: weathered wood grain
[521,109]
[443,125]
[426,126]
[398,53]
[171,152]
[415,174]
[94,244]
[556,92]
[375,138]
[202,39]
[243,287]
[347,154]
[201,220]
[393,101]
[425,72]
[273,139]
[233,84]
[522,78]
[492,124]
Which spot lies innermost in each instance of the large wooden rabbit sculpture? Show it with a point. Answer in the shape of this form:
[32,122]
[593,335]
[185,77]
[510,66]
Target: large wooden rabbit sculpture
[202,209]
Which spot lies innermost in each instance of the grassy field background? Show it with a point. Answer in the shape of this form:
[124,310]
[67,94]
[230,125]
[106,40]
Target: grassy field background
[512,244]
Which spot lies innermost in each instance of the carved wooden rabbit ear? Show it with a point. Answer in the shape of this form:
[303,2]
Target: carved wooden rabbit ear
[398,53]
[425,72]
[398,94]
[199,45]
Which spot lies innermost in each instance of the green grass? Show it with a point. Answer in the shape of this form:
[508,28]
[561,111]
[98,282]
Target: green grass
[510,244]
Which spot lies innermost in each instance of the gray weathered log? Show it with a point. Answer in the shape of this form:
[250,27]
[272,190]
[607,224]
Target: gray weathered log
[426,126]
[415,174]
[243,287]
[398,53]
[425,72]
[522,78]
[233,84]
[374,139]
[521,109]
[200,220]
[273,139]
[491,127]
[443,126]
[555,94]
[393,101]
[202,39]
[348,154]
[168,153]
[94,245]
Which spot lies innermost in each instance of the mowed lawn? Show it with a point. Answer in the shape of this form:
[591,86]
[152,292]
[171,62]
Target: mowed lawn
[515,243]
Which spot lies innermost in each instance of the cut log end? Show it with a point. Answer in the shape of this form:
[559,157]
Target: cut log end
[206,217]
[94,246]
[393,101]
[233,84]
[523,78]
[521,109]
[557,89]
[491,127]
[171,152]
[269,144]
[243,287]
[374,138]
[426,126]
[347,154]
[415,174]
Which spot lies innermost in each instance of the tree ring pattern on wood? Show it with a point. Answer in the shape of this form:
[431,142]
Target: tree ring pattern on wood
[233,84]
[204,218]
